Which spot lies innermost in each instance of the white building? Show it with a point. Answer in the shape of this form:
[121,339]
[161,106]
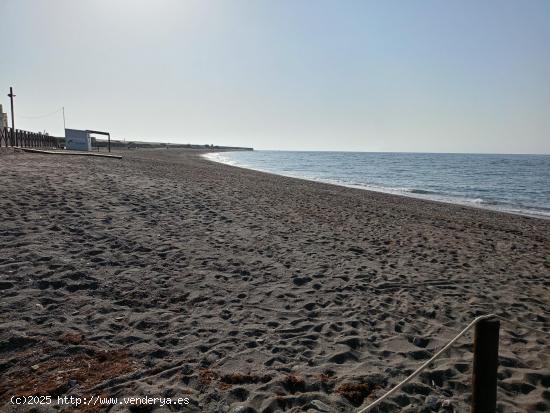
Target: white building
[3,118]
[78,140]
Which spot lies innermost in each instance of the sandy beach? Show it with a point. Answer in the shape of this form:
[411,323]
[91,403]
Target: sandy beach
[167,275]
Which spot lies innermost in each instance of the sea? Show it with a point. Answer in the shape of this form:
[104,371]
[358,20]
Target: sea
[517,184]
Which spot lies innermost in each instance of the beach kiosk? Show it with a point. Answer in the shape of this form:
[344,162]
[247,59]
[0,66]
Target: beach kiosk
[80,140]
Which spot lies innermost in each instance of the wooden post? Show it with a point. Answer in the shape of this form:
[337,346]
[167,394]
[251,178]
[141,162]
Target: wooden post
[11,95]
[484,378]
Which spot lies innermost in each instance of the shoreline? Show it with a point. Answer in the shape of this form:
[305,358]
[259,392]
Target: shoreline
[410,195]
[166,273]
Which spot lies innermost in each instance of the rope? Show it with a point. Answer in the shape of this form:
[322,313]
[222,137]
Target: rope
[436,355]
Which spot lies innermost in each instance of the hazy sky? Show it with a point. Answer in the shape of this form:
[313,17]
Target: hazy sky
[410,75]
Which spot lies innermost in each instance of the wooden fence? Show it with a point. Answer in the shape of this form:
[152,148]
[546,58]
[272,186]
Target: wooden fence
[23,139]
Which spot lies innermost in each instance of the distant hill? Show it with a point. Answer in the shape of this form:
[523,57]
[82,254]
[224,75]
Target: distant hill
[126,144]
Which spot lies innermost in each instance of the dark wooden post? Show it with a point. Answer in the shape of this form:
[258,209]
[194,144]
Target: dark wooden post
[11,95]
[484,378]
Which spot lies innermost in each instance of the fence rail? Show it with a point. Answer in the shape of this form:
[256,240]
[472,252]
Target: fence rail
[16,138]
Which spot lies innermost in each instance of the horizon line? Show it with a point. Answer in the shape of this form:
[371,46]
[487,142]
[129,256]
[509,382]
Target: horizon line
[404,152]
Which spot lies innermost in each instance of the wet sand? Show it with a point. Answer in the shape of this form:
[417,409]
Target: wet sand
[167,275]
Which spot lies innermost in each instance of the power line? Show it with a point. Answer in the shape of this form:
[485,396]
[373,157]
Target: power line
[41,116]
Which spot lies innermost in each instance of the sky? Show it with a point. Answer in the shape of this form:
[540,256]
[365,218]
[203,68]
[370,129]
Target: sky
[408,76]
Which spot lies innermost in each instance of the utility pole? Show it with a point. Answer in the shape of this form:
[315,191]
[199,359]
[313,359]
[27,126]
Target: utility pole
[11,95]
[64,119]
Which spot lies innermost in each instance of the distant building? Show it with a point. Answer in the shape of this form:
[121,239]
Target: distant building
[3,118]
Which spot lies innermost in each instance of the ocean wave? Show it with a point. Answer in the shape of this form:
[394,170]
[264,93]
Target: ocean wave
[422,191]
[219,157]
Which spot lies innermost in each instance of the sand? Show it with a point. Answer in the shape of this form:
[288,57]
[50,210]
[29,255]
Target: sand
[167,275]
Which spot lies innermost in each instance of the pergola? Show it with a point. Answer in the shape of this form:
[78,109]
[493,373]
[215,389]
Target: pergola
[96,132]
